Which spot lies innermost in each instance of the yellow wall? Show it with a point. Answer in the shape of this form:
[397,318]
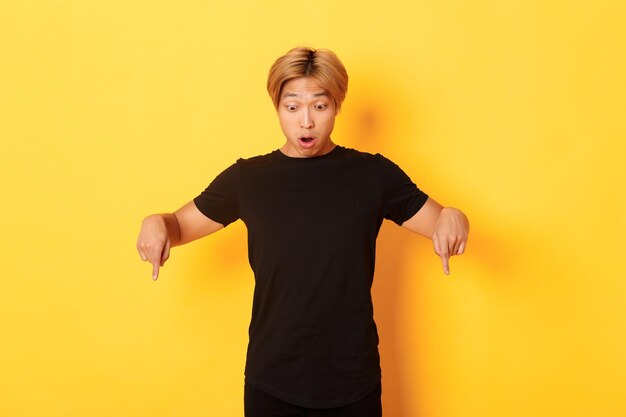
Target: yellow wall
[511,110]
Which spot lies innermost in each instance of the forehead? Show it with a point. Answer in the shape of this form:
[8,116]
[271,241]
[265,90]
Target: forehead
[303,86]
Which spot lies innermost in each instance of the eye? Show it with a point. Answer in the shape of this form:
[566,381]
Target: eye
[321,106]
[291,107]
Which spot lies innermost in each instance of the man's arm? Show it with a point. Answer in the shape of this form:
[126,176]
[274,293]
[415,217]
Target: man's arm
[160,232]
[446,226]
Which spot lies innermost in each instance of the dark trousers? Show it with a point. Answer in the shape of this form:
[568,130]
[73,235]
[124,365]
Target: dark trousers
[259,404]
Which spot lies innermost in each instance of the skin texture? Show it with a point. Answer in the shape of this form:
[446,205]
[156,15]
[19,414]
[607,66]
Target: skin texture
[305,110]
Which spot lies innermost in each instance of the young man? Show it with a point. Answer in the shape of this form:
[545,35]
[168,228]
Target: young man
[313,210]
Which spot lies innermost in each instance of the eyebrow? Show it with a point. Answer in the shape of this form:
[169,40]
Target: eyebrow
[323,93]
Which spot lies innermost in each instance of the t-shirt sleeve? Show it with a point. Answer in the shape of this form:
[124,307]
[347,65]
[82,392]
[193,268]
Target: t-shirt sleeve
[401,197]
[219,201]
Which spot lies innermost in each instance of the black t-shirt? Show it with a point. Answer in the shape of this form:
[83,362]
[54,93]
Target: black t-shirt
[312,226]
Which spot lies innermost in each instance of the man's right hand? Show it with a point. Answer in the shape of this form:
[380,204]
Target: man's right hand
[161,232]
[154,243]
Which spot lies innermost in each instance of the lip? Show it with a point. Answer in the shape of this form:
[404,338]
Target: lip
[307,145]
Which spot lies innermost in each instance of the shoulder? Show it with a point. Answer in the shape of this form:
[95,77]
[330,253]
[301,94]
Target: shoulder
[357,155]
[258,160]
[374,160]
[233,171]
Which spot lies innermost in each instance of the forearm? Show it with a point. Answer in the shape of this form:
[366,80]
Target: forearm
[424,221]
[160,232]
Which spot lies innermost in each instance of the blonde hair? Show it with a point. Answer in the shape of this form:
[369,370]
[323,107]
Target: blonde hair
[320,64]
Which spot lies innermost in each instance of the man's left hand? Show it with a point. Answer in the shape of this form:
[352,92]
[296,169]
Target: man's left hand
[450,235]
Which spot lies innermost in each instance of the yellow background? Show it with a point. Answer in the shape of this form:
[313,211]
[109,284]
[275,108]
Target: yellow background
[511,110]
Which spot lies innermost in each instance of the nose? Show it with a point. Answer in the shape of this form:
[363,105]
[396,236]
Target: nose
[307,121]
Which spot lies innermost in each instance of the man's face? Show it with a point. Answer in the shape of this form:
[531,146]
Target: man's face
[307,117]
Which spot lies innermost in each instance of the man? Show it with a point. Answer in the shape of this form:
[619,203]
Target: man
[313,210]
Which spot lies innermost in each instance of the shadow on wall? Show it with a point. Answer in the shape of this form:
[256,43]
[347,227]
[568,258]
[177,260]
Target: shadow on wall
[224,254]
[391,258]
[374,125]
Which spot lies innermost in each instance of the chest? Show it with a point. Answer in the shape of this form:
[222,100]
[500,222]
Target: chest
[317,200]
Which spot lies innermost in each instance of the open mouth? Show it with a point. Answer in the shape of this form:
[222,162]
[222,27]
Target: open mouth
[307,139]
